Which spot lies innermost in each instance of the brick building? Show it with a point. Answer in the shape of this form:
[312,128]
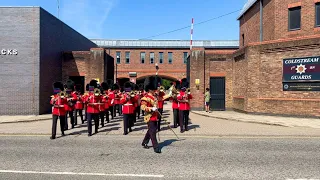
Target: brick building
[136,59]
[275,71]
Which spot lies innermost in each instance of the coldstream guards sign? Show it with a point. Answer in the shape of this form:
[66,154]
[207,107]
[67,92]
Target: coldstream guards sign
[301,74]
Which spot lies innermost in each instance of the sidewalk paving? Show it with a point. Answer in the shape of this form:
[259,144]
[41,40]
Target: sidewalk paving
[262,119]
[26,118]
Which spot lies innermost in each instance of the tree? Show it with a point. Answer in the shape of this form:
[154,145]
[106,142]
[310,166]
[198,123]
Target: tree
[166,83]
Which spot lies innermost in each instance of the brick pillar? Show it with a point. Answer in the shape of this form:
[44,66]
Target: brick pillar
[95,65]
[198,70]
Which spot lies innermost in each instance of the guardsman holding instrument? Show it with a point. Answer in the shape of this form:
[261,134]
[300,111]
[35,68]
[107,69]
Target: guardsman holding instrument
[72,98]
[149,106]
[79,104]
[58,101]
[128,101]
[184,98]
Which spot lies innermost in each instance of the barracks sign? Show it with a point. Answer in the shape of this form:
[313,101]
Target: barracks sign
[301,69]
[8,52]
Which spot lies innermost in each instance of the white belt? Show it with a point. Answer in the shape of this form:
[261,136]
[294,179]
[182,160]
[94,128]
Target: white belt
[128,104]
[58,105]
[96,103]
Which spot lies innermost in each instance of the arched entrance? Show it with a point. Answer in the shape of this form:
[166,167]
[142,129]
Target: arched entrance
[121,81]
[166,80]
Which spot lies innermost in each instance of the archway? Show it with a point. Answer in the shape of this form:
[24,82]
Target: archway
[121,81]
[166,80]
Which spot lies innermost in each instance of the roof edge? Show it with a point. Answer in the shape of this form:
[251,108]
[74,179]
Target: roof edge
[246,7]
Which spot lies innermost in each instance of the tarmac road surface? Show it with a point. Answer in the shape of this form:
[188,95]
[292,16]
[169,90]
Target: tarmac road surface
[122,157]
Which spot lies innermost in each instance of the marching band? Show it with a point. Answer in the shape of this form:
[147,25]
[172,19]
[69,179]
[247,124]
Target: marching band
[128,101]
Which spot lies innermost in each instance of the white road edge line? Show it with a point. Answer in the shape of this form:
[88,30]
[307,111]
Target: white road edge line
[83,174]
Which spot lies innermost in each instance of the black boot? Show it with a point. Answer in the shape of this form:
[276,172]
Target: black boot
[157,150]
[52,137]
[145,145]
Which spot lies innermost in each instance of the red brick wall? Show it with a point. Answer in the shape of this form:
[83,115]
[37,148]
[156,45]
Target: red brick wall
[275,21]
[176,70]
[250,26]
[264,82]
[84,63]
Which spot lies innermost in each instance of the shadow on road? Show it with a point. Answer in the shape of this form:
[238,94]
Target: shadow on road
[167,143]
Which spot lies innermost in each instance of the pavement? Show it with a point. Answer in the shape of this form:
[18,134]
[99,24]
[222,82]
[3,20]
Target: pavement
[119,157]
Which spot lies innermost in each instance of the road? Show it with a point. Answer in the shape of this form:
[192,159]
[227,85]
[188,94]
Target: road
[122,157]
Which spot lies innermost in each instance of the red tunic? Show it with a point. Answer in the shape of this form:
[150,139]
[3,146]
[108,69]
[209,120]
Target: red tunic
[79,103]
[117,98]
[175,103]
[58,107]
[183,105]
[73,97]
[128,106]
[154,116]
[160,100]
[94,104]
[111,98]
[106,100]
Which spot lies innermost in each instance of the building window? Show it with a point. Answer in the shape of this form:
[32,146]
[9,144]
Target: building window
[127,57]
[317,14]
[118,55]
[170,57]
[294,18]
[142,57]
[151,58]
[185,57]
[160,57]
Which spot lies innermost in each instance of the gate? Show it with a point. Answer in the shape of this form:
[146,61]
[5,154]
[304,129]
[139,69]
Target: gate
[217,93]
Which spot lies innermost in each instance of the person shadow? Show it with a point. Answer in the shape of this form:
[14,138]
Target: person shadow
[167,142]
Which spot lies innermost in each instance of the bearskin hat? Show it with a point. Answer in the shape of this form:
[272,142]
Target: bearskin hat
[109,82]
[184,83]
[178,84]
[151,83]
[70,85]
[87,87]
[104,86]
[127,86]
[93,83]
[135,87]
[78,87]
[115,87]
[58,85]
[140,86]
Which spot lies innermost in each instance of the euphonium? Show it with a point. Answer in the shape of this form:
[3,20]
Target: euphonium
[97,92]
[161,89]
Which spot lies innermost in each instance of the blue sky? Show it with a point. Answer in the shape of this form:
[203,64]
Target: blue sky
[138,19]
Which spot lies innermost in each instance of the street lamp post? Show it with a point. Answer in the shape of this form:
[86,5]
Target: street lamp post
[157,68]
[116,81]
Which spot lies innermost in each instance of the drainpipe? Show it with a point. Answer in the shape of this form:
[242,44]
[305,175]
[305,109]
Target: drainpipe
[261,20]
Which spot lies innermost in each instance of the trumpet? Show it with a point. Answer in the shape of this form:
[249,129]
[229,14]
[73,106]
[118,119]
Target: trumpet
[132,94]
[62,94]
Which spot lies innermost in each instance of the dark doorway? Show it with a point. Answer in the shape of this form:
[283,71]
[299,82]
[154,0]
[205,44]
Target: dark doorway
[217,92]
[78,80]
[121,81]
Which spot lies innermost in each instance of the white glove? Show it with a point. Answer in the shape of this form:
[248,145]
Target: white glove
[154,109]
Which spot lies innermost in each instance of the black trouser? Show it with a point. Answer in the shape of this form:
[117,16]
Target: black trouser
[111,109]
[184,119]
[71,118]
[127,122]
[76,116]
[117,108]
[142,113]
[101,114]
[138,109]
[176,118]
[106,112]
[54,124]
[95,117]
[151,134]
[159,118]
[85,114]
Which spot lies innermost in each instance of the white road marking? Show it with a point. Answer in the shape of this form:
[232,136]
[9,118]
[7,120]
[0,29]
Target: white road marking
[83,174]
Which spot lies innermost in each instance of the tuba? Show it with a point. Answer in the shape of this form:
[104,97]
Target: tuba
[173,91]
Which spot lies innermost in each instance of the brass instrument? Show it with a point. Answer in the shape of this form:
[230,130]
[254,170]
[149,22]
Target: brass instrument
[62,94]
[161,89]
[173,92]
[188,90]
[132,94]
[97,92]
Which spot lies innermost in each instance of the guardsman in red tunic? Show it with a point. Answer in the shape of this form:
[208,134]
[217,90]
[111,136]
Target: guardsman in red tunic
[84,98]
[102,106]
[94,100]
[184,104]
[105,97]
[149,105]
[110,97]
[58,101]
[117,97]
[128,110]
[72,98]
[160,96]
[79,104]
[175,103]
